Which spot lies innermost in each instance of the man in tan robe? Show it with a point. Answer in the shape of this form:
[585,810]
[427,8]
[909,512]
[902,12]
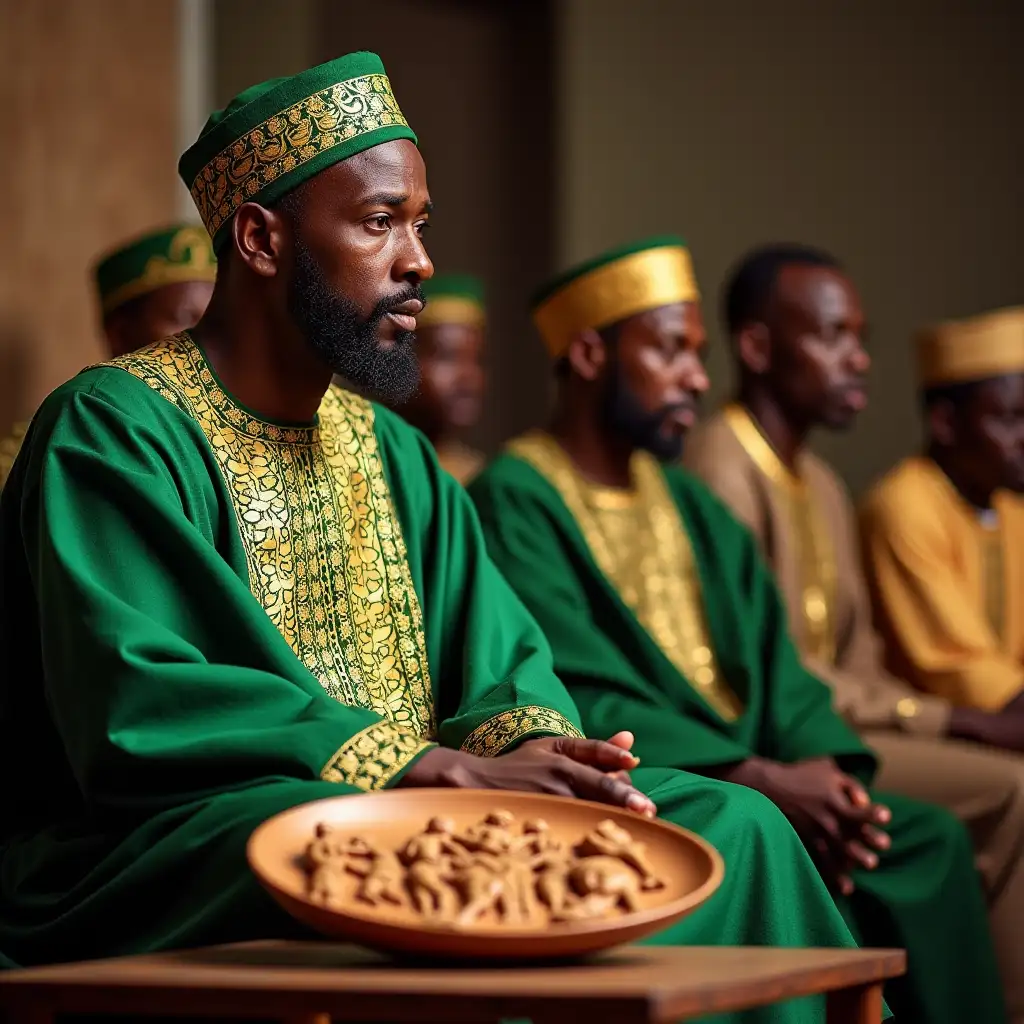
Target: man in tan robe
[796,323]
[943,532]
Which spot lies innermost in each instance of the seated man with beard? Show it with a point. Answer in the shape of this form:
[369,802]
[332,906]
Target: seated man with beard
[664,620]
[229,588]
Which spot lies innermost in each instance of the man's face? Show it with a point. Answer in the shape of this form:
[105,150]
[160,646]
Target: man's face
[988,434]
[818,362]
[359,258]
[157,314]
[452,378]
[656,376]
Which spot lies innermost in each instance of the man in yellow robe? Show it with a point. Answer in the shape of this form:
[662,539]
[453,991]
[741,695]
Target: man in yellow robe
[449,348]
[943,532]
[796,328]
[149,288]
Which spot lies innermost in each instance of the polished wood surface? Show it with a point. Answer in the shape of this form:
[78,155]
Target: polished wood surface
[311,982]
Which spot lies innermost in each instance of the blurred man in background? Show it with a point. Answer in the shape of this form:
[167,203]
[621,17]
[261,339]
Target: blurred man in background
[663,617]
[149,288]
[943,532]
[449,346]
[797,331]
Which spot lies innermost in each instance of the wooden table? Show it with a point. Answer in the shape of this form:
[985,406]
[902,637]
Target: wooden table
[314,983]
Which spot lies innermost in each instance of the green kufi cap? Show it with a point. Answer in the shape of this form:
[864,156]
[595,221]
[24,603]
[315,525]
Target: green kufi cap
[453,299]
[276,135]
[171,255]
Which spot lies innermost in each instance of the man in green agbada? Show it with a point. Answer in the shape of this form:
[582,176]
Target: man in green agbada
[664,621]
[148,287]
[234,588]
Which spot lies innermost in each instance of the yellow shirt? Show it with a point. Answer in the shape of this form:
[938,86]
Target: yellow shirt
[947,588]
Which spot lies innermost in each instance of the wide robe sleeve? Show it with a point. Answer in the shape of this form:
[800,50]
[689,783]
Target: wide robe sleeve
[164,678]
[750,630]
[936,629]
[491,666]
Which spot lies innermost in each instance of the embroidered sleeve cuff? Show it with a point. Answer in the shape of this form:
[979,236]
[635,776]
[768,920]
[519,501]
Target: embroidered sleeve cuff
[495,735]
[375,757]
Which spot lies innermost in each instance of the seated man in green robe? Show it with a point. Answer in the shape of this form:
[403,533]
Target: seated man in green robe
[229,588]
[664,620]
[150,287]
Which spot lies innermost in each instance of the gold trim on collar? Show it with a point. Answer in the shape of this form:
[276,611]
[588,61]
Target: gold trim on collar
[323,544]
[643,550]
[289,139]
[188,259]
[818,573]
[451,309]
[610,293]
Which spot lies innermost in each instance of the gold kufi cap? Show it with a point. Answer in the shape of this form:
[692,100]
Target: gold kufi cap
[612,287]
[972,349]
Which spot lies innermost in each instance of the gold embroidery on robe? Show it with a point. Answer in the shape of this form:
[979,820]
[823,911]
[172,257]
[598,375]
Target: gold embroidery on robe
[491,738]
[374,756]
[325,552]
[641,546]
[818,583]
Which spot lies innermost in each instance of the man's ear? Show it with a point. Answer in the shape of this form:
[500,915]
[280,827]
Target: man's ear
[754,347]
[587,354]
[259,236]
[942,422]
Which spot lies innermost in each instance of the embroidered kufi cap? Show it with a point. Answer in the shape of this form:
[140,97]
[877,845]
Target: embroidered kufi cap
[972,349]
[276,135]
[453,299]
[616,285]
[168,256]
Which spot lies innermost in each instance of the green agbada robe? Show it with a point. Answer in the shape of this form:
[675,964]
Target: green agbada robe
[216,618]
[924,895]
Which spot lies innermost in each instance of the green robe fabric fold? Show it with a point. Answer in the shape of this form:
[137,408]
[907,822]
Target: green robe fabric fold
[925,895]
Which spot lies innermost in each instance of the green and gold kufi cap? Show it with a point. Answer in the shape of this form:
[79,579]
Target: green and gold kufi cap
[611,287]
[171,255]
[276,135]
[453,299]
[972,349]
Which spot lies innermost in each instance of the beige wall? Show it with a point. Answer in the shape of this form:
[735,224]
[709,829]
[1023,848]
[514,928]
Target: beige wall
[89,93]
[889,133]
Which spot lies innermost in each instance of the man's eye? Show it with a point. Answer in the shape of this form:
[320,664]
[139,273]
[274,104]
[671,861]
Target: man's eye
[422,227]
[381,221]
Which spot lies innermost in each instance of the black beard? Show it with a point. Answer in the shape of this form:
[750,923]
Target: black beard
[348,343]
[626,417]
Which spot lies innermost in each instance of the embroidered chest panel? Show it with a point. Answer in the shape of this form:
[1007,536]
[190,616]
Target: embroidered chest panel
[324,548]
[641,546]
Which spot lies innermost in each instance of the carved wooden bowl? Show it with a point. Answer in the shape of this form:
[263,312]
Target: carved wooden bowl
[688,868]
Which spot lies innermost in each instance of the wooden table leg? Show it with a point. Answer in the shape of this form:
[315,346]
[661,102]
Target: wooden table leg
[860,1005]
